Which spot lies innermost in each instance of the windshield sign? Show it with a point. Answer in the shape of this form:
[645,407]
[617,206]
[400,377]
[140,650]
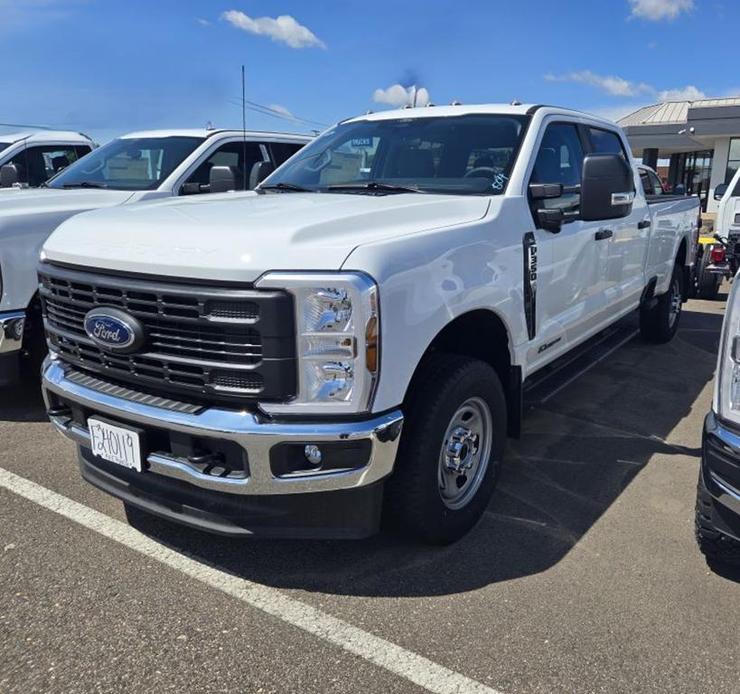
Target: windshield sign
[128,164]
[460,155]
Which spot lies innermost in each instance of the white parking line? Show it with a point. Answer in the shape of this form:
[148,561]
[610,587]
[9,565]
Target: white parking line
[385,654]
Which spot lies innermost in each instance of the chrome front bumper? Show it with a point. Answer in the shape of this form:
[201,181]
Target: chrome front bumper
[11,331]
[253,435]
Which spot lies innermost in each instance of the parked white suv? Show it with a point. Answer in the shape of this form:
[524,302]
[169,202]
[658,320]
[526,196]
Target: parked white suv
[355,338]
[133,168]
[29,159]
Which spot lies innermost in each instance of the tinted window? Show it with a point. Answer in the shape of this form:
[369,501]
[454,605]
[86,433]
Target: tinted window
[128,163]
[657,186]
[38,164]
[605,142]
[282,151]
[560,160]
[647,184]
[231,155]
[432,154]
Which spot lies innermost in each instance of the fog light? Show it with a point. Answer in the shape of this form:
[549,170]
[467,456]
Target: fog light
[313,454]
[15,329]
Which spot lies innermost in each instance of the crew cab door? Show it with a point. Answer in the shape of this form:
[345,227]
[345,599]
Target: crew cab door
[627,246]
[571,286]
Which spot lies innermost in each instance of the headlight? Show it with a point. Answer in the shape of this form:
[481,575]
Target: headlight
[337,325]
[727,383]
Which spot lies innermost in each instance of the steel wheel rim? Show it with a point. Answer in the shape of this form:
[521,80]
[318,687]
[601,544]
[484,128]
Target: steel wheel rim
[675,303]
[465,453]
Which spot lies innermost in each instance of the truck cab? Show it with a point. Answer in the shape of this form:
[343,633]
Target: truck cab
[137,167]
[352,340]
[31,158]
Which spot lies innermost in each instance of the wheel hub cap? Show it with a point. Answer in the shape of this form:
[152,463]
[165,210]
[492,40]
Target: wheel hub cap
[465,453]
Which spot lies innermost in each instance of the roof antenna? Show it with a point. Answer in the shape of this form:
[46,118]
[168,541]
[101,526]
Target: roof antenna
[244,132]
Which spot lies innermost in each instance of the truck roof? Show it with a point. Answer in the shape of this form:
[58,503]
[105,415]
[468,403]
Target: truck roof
[46,136]
[205,133]
[515,109]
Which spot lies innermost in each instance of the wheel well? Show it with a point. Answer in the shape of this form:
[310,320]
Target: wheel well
[481,334]
[681,255]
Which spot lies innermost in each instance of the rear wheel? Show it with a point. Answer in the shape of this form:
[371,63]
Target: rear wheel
[451,449]
[707,283]
[716,546]
[660,323]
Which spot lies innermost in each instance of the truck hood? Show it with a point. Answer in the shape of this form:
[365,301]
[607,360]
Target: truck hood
[45,200]
[240,236]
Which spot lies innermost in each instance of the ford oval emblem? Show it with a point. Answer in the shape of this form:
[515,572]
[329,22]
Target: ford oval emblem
[114,330]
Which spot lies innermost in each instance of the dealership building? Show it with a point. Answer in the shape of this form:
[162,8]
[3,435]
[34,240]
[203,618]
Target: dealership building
[695,144]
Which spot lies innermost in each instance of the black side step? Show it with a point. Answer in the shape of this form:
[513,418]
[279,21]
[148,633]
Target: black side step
[550,380]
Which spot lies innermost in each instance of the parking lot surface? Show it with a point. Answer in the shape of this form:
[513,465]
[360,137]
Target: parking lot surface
[583,576]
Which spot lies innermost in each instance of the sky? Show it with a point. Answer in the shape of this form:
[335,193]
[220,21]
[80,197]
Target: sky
[108,67]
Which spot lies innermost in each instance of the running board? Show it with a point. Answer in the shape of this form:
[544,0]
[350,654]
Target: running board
[550,380]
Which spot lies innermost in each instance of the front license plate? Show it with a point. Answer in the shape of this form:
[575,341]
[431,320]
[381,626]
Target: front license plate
[116,444]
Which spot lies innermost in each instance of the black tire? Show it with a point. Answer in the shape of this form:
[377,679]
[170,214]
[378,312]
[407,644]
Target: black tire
[34,349]
[660,323]
[710,288]
[413,496]
[707,284]
[717,547]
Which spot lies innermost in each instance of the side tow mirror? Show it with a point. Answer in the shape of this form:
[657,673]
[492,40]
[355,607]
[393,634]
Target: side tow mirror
[8,175]
[222,179]
[720,191]
[607,187]
[260,171]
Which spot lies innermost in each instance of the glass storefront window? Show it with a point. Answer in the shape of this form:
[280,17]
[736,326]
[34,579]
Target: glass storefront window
[692,173]
[733,160]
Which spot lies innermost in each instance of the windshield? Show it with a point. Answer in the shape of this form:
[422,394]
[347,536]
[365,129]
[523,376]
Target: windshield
[4,145]
[127,164]
[471,154]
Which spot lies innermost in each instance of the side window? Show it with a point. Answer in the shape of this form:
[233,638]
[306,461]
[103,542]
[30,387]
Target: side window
[282,151]
[606,142]
[56,159]
[657,186]
[232,155]
[82,150]
[560,160]
[647,184]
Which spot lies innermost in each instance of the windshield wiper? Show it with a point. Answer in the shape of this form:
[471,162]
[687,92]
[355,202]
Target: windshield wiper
[373,186]
[287,187]
[85,184]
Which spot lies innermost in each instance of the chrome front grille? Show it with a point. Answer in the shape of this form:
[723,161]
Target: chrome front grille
[218,342]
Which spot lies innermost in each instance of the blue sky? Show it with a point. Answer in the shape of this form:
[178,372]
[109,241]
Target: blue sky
[108,67]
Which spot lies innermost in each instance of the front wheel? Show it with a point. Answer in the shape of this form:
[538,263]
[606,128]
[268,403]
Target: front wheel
[453,441]
[660,323]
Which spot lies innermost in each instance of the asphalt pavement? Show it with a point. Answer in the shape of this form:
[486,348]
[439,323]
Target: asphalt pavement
[583,576]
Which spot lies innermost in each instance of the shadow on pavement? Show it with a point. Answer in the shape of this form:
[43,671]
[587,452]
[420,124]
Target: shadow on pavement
[578,453]
[21,401]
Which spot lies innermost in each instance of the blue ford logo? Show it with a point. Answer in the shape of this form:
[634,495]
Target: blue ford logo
[114,330]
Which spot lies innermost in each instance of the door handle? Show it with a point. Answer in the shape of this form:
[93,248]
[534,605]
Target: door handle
[644,224]
[602,234]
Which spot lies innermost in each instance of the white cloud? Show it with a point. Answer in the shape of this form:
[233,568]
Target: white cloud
[282,110]
[687,93]
[611,84]
[398,95]
[658,10]
[203,22]
[283,29]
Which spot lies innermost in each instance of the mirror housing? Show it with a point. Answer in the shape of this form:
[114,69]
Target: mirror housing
[8,175]
[607,187]
[720,191]
[545,191]
[260,171]
[221,179]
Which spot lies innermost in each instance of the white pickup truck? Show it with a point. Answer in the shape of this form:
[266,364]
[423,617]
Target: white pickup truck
[133,168]
[353,339]
[27,159]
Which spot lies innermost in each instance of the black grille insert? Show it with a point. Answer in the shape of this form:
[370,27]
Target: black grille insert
[210,342]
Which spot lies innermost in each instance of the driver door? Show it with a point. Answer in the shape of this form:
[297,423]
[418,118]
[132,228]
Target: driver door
[571,286]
